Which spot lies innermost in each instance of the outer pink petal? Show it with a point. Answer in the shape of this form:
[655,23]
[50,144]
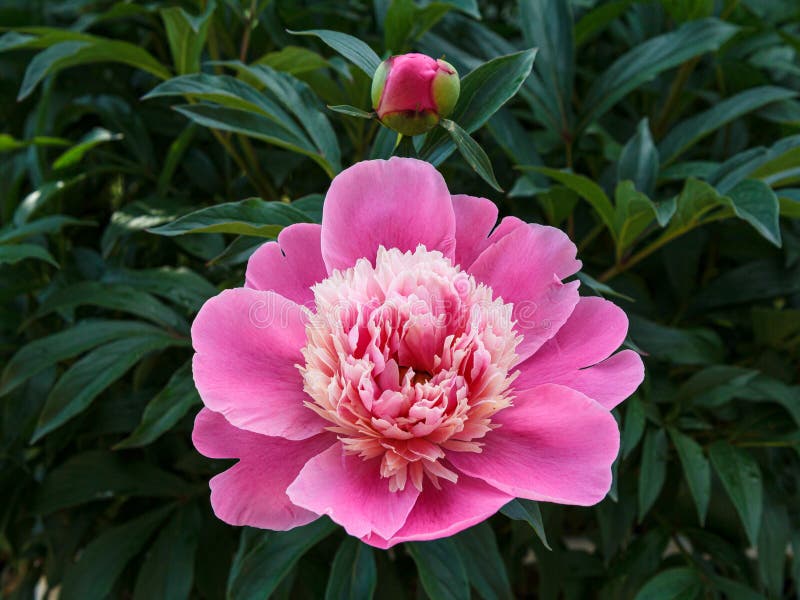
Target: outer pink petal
[247,344]
[252,492]
[554,445]
[441,513]
[397,203]
[289,266]
[610,381]
[593,331]
[525,266]
[475,219]
[352,492]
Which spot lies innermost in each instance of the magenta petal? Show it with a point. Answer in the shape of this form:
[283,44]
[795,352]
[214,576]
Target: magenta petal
[247,345]
[524,266]
[252,492]
[396,203]
[593,331]
[291,265]
[444,512]
[475,219]
[554,445]
[352,492]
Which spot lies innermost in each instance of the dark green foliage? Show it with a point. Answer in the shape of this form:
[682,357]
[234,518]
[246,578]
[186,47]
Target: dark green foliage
[148,148]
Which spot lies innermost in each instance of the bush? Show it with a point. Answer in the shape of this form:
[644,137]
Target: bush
[149,148]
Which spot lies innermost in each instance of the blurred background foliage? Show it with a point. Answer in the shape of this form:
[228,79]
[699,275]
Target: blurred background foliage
[147,148]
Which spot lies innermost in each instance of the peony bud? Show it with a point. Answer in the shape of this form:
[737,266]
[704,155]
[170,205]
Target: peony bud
[412,92]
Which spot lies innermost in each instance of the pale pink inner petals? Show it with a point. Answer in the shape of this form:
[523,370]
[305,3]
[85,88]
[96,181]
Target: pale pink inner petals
[408,360]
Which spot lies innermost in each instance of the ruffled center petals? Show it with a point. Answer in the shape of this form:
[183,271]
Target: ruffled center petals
[400,203]
[247,345]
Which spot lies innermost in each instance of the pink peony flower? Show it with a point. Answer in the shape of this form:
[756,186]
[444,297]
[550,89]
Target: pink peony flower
[407,367]
[412,92]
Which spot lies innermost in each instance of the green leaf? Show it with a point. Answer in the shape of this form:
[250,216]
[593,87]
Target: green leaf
[51,224]
[441,569]
[352,111]
[186,36]
[40,354]
[91,375]
[697,470]
[521,509]
[12,254]
[733,590]
[678,583]
[352,48]
[484,564]
[755,202]
[687,133]
[741,477]
[353,572]
[773,538]
[167,408]
[633,425]
[639,160]
[483,91]
[586,189]
[693,346]
[95,137]
[596,20]
[264,558]
[247,217]
[653,470]
[112,297]
[8,143]
[697,202]
[294,60]
[644,62]
[89,50]
[547,26]
[168,569]
[104,559]
[180,285]
[633,214]
[101,475]
[472,153]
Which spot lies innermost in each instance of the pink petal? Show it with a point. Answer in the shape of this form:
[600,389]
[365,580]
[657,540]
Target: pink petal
[252,492]
[554,445]
[352,492]
[525,266]
[441,513]
[610,381]
[593,331]
[291,265]
[475,219]
[247,345]
[398,203]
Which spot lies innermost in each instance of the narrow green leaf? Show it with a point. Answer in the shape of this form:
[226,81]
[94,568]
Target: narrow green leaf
[687,133]
[264,558]
[634,212]
[11,254]
[293,59]
[773,538]
[755,202]
[653,470]
[696,469]
[483,91]
[472,153]
[101,475]
[586,189]
[644,62]
[95,137]
[165,409]
[168,569]
[352,111]
[441,569]
[522,509]
[678,583]
[633,425]
[639,160]
[186,35]
[40,354]
[91,375]
[103,560]
[484,564]
[741,477]
[352,48]
[353,572]
[247,217]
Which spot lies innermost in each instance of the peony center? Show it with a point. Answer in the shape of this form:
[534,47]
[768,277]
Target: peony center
[408,360]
